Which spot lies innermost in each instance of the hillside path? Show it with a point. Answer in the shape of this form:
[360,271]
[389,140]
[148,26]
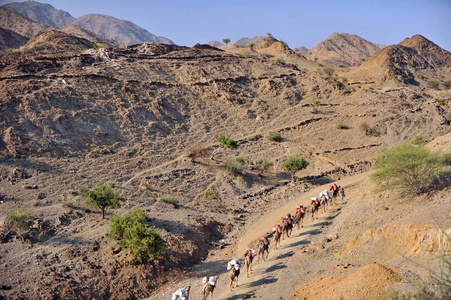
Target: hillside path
[276,278]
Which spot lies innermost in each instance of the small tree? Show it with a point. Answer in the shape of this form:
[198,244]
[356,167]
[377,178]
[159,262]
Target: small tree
[408,167]
[226,41]
[269,34]
[295,164]
[101,196]
[131,232]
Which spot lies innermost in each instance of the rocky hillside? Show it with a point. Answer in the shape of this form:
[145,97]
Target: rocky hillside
[42,13]
[88,35]
[55,41]
[20,24]
[302,50]
[10,40]
[343,49]
[146,118]
[415,60]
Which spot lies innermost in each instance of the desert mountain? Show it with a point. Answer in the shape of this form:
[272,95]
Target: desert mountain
[302,50]
[247,41]
[412,61]
[86,34]
[11,40]
[343,49]
[20,24]
[124,32]
[42,13]
[146,118]
[215,44]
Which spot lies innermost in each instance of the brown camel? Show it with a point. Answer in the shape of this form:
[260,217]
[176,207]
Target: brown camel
[208,289]
[249,255]
[287,227]
[263,246]
[315,208]
[277,232]
[233,275]
[299,217]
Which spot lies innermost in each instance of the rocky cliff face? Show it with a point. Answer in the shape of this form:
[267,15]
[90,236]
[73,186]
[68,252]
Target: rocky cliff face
[11,40]
[42,13]
[343,49]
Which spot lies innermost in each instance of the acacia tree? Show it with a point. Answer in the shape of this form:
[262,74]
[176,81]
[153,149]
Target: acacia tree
[408,167]
[295,164]
[226,41]
[102,195]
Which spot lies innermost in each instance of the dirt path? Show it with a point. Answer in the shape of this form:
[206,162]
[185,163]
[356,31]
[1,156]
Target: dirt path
[275,278]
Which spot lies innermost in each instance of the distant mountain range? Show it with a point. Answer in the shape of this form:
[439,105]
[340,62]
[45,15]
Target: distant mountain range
[123,32]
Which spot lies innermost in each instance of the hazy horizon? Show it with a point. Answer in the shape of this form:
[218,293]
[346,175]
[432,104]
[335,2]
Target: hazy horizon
[298,23]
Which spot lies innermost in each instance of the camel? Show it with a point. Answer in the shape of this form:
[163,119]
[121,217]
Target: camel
[334,188]
[277,232]
[262,248]
[299,217]
[233,275]
[315,207]
[248,259]
[287,227]
[209,287]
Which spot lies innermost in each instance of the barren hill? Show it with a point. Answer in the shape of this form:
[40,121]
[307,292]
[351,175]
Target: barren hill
[413,61]
[146,118]
[55,41]
[302,50]
[42,13]
[343,49]
[20,24]
[124,32]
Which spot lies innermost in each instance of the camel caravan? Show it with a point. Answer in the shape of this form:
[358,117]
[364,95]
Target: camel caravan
[325,199]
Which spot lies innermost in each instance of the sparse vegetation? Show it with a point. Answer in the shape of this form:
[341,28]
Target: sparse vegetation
[234,166]
[344,79]
[319,72]
[441,102]
[207,194]
[329,71]
[102,195]
[169,200]
[317,102]
[198,151]
[341,125]
[283,43]
[251,45]
[408,168]
[448,117]
[419,140]
[295,164]
[395,70]
[131,232]
[226,142]
[433,83]
[269,34]
[263,167]
[274,136]
[18,220]
[447,84]
[226,41]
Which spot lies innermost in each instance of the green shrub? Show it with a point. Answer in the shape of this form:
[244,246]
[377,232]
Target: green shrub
[447,84]
[295,164]
[226,142]
[446,159]
[102,195]
[226,41]
[317,102]
[433,83]
[365,127]
[274,136]
[207,194]
[18,220]
[408,168]
[319,72]
[395,70]
[441,102]
[169,200]
[344,79]
[341,125]
[130,231]
[240,161]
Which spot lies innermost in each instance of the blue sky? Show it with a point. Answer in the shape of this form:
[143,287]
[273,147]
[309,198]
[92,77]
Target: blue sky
[298,23]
